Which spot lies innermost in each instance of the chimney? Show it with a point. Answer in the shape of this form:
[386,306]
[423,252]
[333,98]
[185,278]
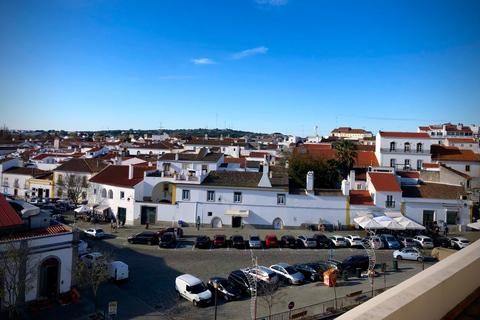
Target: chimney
[310,181]
[345,188]
[459,126]
[265,181]
[176,156]
[119,160]
[130,172]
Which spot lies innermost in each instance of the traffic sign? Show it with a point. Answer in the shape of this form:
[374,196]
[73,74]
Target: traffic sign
[112,308]
[291,305]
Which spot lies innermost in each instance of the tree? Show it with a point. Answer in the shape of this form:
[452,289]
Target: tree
[18,271]
[5,133]
[325,171]
[73,186]
[345,155]
[90,274]
[269,295]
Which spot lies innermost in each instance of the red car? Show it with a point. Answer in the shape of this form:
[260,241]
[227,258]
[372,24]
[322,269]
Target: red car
[220,240]
[177,231]
[271,240]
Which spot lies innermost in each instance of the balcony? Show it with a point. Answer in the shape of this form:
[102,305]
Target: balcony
[414,151]
[5,184]
[389,204]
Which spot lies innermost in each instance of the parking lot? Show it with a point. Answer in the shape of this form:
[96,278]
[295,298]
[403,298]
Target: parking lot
[154,269]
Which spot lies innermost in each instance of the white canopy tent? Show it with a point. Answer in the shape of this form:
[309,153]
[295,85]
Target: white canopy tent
[409,224]
[368,223]
[474,225]
[389,223]
[83,209]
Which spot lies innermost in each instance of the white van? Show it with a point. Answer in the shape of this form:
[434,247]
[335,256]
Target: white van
[192,289]
[118,271]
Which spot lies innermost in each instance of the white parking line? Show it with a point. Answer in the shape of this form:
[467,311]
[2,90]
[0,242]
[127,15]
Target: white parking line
[193,247]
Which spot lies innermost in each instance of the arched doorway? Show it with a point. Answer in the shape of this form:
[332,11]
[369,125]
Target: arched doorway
[48,282]
[216,222]
[277,224]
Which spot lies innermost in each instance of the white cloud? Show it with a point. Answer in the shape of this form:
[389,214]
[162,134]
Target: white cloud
[250,52]
[203,61]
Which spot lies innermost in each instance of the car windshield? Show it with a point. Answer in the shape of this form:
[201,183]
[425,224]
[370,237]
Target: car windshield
[290,270]
[166,237]
[99,230]
[390,238]
[237,238]
[221,238]
[198,288]
[228,285]
[464,241]
[321,236]
[254,238]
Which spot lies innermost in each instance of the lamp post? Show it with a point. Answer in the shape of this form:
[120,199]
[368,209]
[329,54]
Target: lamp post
[215,285]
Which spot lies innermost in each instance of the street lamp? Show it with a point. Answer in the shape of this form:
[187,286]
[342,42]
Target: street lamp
[215,285]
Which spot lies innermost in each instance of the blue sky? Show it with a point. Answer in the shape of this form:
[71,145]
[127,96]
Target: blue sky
[262,66]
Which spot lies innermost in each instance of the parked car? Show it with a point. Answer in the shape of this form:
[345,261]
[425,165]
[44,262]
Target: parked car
[459,242]
[263,274]
[237,241]
[353,240]
[358,261]
[374,242]
[220,240]
[289,241]
[271,240]
[307,241]
[82,247]
[95,233]
[325,265]
[322,240]
[254,241]
[407,242]
[338,241]
[203,242]
[59,218]
[409,253]
[441,241]
[239,279]
[168,239]
[52,208]
[308,271]
[225,288]
[424,241]
[389,241]
[91,258]
[175,230]
[287,273]
[118,270]
[148,237]
[192,289]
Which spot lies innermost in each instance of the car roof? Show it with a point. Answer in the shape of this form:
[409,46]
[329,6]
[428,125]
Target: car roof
[254,235]
[281,264]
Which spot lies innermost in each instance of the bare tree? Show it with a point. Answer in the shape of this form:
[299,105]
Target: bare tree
[73,186]
[18,271]
[90,274]
[269,295]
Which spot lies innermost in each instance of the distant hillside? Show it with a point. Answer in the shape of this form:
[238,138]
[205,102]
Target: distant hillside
[212,133]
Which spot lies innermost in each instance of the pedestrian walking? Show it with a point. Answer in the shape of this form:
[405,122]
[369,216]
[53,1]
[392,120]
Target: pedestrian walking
[446,231]
[146,224]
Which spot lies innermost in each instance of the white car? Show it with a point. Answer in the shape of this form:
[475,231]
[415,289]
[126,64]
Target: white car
[93,257]
[307,241]
[424,241]
[95,233]
[408,253]
[82,247]
[254,241]
[353,240]
[374,241]
[263,274]
[338,241]
[459,242]
[287,273]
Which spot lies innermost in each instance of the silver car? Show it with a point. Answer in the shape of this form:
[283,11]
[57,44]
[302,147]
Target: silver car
[254,241]
[287,273]
[307,241]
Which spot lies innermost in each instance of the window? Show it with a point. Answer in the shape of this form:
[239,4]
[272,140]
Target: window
[104,193]
[210,195]
[184,166]
[59,193]
[165,187]
[5,182]
[392,146]
[419,147]
[94,191]
[210,213]
[467,168]
[84,195]
[451,217]
[419,165]
[281,198]
[205,168]
[84,182]
[392,163]
[60,178]
[407,164]
[390,203]
[186,195]
[110,194]
[406,147]
[122,194]
[237,197]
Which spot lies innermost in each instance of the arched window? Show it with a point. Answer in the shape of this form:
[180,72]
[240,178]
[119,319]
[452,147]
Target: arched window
[419,147]
[104,193]
[406,147]
[110,194]
[392,146]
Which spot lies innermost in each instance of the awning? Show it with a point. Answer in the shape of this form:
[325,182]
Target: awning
[237,212]
[101,208]
[394,214]
[409,224]
[474,225]
[389,223]
[368,223]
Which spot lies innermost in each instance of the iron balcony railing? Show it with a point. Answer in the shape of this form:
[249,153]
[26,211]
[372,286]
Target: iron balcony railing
[411,151]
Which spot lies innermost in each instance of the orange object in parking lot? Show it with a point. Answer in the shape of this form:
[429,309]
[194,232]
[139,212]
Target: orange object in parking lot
[330,278]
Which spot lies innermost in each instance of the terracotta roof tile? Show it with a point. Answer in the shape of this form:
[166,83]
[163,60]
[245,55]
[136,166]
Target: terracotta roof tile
[83,165]
[361,198]
[34,233]
[430,165]
[8,216]
[434,191]
[409,174]
[384,182]
[443,153]
[405,134]
[115,175]
[34,172]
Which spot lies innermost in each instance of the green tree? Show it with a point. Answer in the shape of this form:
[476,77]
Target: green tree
[324,171]
[345,154]
[73,186]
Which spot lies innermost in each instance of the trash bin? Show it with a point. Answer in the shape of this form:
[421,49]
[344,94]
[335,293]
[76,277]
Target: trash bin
[358,272]
[395,265]
[180,223]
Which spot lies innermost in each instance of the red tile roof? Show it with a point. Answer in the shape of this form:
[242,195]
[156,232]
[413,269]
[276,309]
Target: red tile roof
[443,153]
[361,198]
[115,175]
[34,233]
[434,191]
[409,174]
[430,165]
[8,216]
[461,140]
[234,160]
[405,134]
[258,154]
[384,182]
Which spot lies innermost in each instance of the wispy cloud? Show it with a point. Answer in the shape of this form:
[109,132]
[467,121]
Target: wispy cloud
[203,61]
[250,52]
[272,2]
[174,77]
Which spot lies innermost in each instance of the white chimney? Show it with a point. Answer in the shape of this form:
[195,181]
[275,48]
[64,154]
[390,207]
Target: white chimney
[351,178]
[119,160]
[310,181]
[345,188]
[130,172]
[176,156]
[265,181]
